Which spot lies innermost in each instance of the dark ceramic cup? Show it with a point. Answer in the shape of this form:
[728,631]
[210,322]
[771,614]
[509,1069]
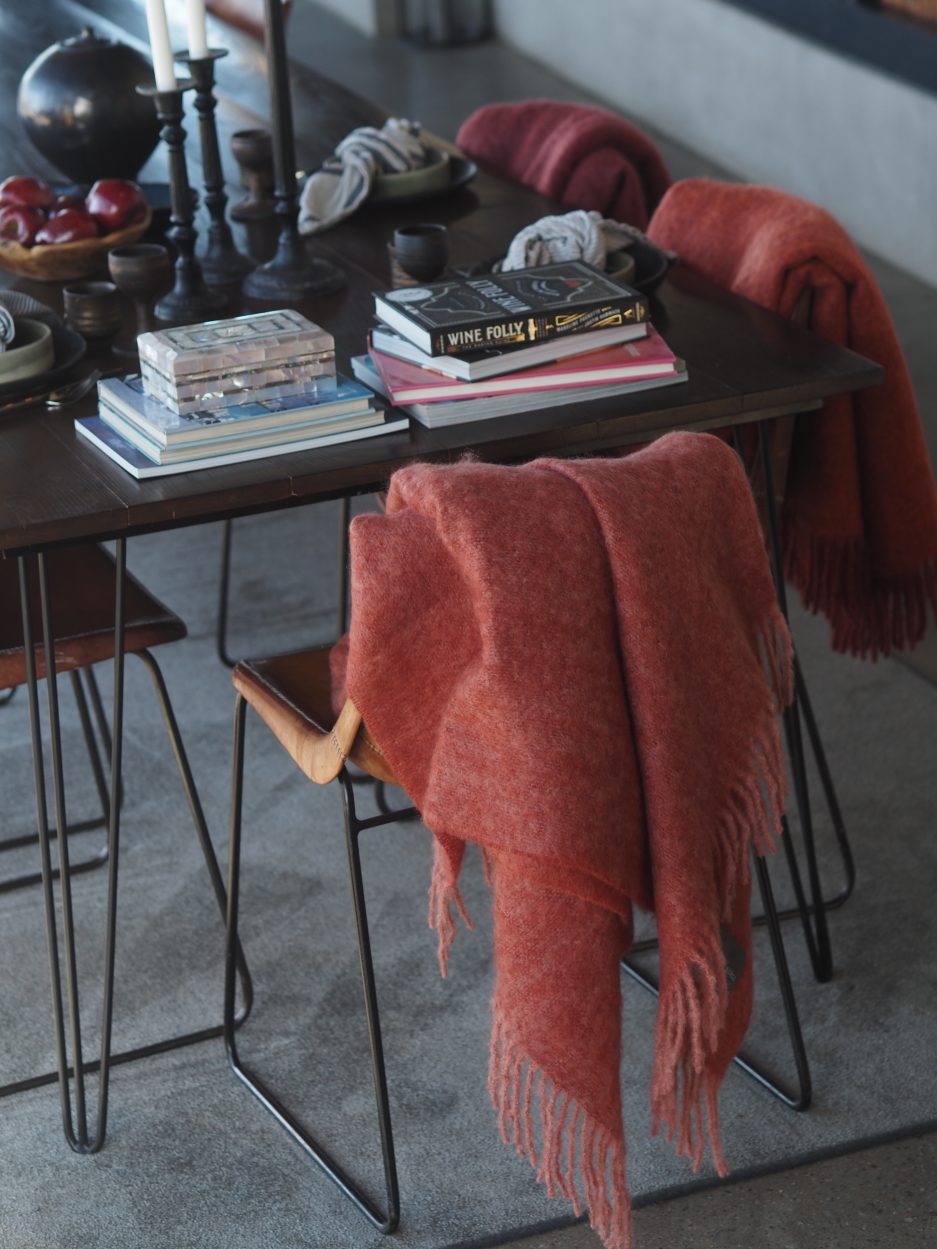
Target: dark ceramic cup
[93,309]
[422,251]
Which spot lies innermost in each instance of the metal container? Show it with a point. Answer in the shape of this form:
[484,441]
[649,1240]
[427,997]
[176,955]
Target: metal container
[80,108]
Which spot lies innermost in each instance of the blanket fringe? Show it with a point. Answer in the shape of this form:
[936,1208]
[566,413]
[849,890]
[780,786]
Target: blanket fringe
[572,1153]
[443,896]
[692,1006]
[868,618]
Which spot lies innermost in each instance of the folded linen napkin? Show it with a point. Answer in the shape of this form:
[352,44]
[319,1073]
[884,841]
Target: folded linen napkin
[577,664]
[346,179]
[578,235]
[19,304]
[584,157]
[860,505]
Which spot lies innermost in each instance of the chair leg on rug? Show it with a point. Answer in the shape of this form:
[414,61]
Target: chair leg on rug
[801,1098]
[387,1220]
[27,879]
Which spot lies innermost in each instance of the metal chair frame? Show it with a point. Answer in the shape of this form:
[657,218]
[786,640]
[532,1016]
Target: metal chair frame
[386,1220]
[26,879]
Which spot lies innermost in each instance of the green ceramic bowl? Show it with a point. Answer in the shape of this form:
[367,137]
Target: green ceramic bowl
[30,352]
[433,176]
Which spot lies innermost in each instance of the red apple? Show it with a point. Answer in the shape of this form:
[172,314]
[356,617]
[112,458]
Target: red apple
[20,223]
[68,226]
[28,192]
[115,203]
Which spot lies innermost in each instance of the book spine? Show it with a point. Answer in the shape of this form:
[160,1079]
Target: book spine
[528,330]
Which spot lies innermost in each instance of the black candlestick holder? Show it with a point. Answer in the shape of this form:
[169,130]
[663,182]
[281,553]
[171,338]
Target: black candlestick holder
[190,300]
[292,275]
[222,263]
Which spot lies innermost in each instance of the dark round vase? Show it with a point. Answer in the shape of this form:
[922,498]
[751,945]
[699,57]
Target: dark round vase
[80,108]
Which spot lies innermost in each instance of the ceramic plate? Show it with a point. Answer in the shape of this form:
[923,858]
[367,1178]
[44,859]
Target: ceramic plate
[461,172]
[69,348]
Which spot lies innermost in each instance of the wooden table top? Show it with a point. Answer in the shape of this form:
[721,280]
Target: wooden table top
[744,363]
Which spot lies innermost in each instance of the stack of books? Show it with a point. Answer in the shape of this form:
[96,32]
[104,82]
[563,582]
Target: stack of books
[467,349]
[228,391]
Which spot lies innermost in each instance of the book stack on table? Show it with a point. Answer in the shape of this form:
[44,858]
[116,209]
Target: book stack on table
[467,349]
[227,391]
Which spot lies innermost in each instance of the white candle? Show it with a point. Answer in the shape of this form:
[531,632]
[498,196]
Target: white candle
[160,46]
[195,20]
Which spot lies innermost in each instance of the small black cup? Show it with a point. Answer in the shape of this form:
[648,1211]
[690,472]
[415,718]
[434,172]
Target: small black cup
[93,309]
[422,251]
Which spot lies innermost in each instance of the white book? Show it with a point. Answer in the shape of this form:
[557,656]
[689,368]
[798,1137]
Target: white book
[139,465]
[435,415]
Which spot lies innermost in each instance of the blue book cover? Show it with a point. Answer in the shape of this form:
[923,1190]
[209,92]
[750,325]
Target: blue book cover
[127,399]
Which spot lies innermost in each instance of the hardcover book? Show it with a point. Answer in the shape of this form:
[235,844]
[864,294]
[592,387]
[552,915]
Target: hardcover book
[493,361]
[132,460]
[508,309]
[650,356]
[126,400]
[436,415]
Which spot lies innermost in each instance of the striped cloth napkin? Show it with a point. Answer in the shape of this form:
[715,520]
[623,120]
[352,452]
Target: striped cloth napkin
[346,179]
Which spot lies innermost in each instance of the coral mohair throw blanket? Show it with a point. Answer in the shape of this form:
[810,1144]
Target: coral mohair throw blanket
[860,508]
[585,157]
[578,666]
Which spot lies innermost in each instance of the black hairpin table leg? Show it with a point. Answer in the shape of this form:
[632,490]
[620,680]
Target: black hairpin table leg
[71,1075]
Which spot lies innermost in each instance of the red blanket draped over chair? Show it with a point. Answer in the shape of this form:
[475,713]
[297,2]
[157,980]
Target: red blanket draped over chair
[584,157]
[860,507]
[578,666]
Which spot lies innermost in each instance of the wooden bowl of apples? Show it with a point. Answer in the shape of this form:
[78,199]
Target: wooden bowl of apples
[48,237]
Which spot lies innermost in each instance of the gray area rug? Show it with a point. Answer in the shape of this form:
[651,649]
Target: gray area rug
[193,1161]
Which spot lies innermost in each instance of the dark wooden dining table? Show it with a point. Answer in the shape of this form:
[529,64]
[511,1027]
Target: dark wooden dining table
[745,365]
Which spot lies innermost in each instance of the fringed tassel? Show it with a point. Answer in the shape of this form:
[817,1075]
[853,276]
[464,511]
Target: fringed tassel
[692,1007]
[777,658]
[868,618]
[443,896]
[571,1153]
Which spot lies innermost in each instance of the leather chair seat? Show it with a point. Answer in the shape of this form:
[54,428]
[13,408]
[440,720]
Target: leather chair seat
[81,582]
[292,694]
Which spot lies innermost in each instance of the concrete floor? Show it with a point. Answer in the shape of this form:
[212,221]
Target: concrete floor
[883,1195]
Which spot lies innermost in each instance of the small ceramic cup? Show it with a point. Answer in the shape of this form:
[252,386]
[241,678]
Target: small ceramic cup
[422,251]
[93,309]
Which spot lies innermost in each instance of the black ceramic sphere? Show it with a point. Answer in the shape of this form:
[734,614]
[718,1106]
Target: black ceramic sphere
[79,106]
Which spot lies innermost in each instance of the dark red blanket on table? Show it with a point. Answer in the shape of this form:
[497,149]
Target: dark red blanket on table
[860,509]
[578,666]
[584,157]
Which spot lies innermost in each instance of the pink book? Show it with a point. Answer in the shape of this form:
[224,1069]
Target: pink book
[633,361]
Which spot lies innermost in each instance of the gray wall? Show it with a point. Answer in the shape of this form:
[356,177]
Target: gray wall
[764,104]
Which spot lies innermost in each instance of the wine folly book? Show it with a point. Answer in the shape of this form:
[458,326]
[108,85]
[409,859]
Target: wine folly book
[518,308]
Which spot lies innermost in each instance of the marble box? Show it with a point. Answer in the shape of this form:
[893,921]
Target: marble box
[269,354]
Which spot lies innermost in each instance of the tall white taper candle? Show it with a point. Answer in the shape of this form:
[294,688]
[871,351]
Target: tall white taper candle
[195,20]
[160,46]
